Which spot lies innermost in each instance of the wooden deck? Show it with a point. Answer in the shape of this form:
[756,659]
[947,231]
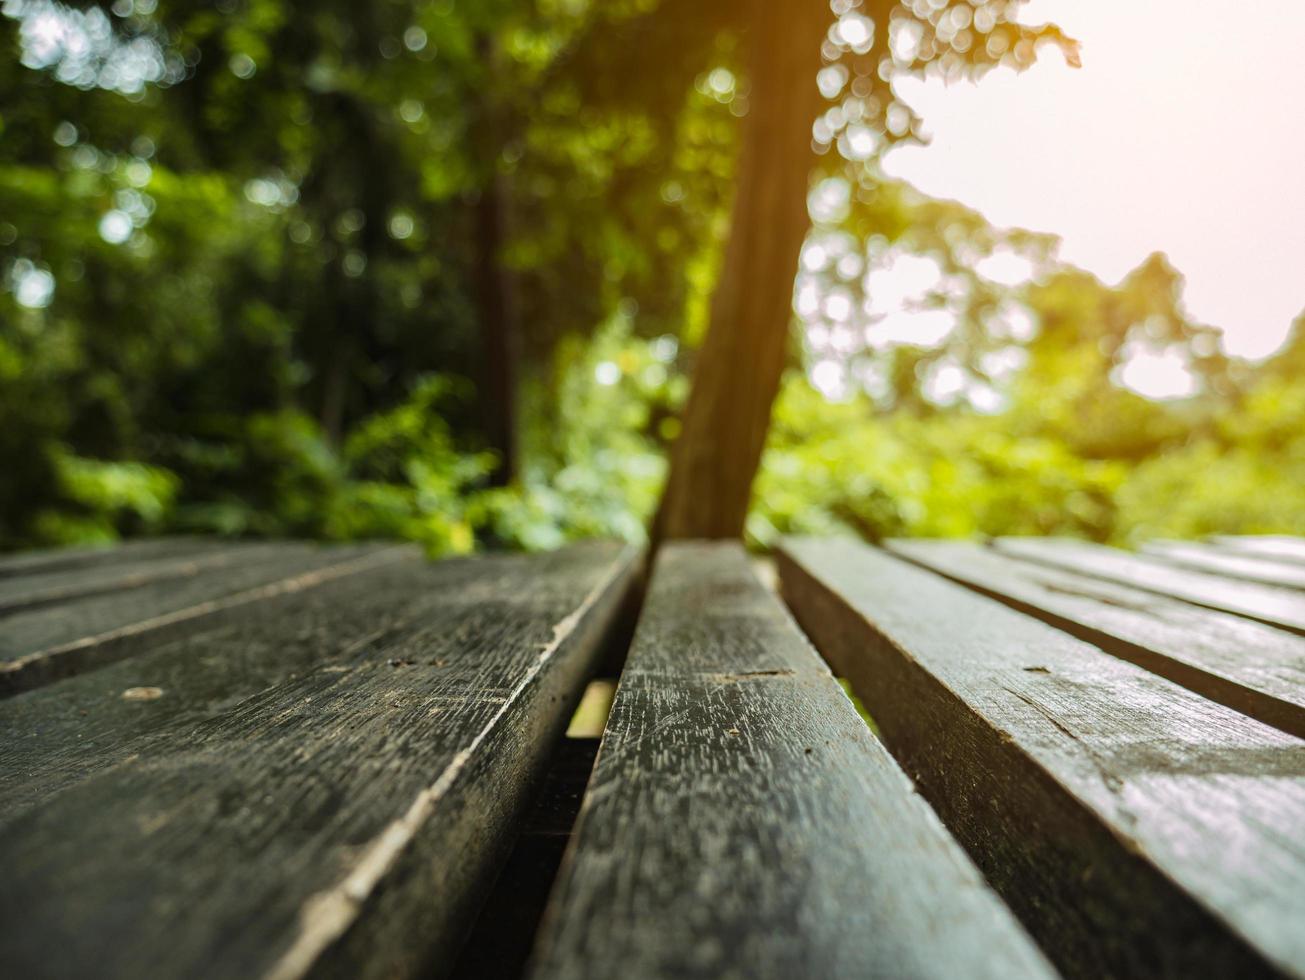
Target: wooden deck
[281,760]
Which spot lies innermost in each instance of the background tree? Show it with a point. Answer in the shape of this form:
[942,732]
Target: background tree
[252,259]
[336,185]
[870,47]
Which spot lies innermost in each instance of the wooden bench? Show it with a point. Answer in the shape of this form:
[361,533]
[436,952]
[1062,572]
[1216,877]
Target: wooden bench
[284,760]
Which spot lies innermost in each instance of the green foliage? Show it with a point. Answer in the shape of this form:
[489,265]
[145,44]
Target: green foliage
[1207,488]
[597,445]
[243,290]
[842,467]
[103,499]
[1243,472]
[235,243]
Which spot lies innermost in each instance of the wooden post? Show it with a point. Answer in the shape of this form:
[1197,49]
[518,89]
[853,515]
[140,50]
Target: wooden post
[738,370]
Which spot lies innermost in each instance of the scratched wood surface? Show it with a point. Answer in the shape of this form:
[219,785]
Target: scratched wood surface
[63,733]
[1281,607]
[1253,668]
[48,587]
[743,822]
[344,819]
[1137,828]
[1221,561]
[43,644]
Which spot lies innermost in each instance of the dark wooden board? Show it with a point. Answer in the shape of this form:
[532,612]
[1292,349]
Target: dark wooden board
[1280,547]
[742,821]
[1137,828]
[1253,668]
[49,588]
[343,822]
[1283,608]
[40,562]
[61,734]
[38,646]
[1220,561]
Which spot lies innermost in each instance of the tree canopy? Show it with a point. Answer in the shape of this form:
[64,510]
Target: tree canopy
[445,270]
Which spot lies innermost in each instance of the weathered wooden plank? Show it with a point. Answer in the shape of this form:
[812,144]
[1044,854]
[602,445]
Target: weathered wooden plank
[1280,547]
[1252,668]
[342,822]
[1283,608]
[48,588]
[742,820]
[1218,561]
[38,646]
[55,559]
[1137,828]
[61,734]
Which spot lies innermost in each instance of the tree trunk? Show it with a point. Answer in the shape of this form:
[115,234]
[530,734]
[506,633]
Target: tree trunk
[737,374]
[498,332]
[494,294]
[332,416]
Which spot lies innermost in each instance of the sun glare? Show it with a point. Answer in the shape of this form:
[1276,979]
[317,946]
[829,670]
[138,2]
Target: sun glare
[1157,373]
[1157,143]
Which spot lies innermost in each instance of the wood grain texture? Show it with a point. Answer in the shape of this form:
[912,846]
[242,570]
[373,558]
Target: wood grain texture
[1137,828]
[38,646]
[61,734]
[1283,608]
[345,821]
[1280,547]
[743,822]
[1219,561]
[62,585]
[55,559]
[1250,667]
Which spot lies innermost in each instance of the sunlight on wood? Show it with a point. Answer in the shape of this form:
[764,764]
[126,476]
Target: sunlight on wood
[590,716]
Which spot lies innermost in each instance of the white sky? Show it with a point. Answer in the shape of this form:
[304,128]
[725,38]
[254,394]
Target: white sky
[1183,132]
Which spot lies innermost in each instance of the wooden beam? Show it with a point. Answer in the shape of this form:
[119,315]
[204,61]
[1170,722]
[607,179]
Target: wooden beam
[65,733]
[38,646]
[56,559]
[345,820]
[1276,607]
[1137,828]
[1281,547]
[1220,561]
[48,588]
[743,821]
[1250,667]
